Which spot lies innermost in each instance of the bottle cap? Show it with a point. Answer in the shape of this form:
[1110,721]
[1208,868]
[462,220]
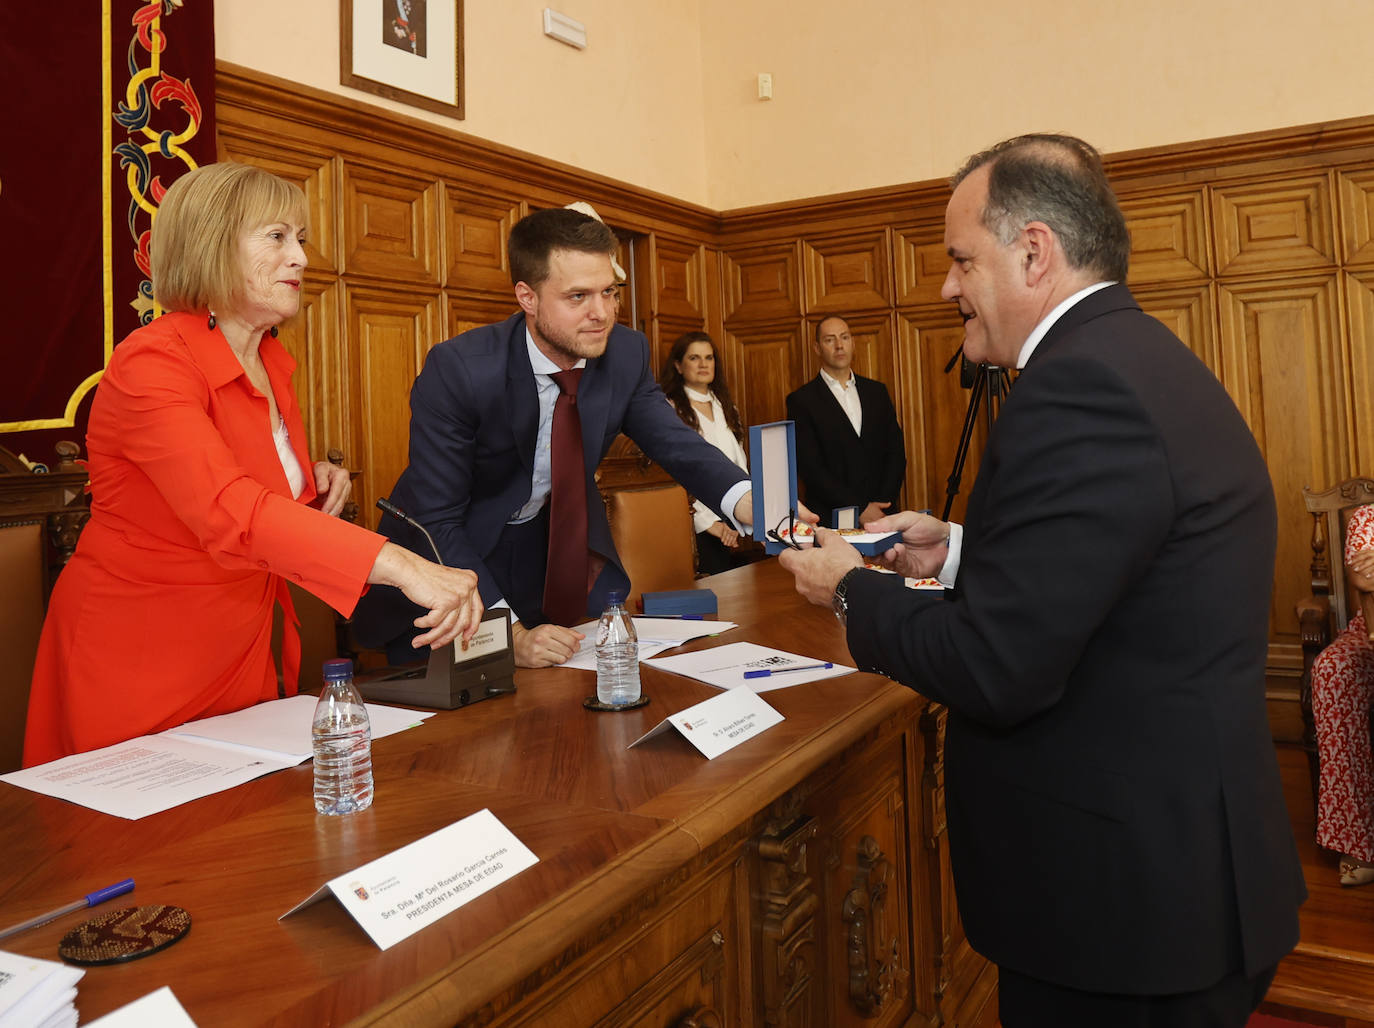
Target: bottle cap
[338,667]
[614,596]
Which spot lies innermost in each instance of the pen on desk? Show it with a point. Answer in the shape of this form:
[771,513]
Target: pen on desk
[768,672]
[99,896]
[679,617]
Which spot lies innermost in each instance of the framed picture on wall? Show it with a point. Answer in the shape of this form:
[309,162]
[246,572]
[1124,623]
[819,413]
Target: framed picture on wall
[405,50]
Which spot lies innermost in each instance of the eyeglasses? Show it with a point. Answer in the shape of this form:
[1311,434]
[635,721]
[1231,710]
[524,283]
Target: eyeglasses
[775,533]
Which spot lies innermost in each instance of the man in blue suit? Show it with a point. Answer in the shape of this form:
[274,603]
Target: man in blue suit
[481,426]
[1118,835]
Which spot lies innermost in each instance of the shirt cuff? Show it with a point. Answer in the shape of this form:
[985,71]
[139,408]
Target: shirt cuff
[732,498]
[950,570]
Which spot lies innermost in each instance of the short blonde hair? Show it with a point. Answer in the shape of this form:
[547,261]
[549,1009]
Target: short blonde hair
[194,248]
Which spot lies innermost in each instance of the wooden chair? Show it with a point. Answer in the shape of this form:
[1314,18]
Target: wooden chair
[1334,600]
[652,531]
[41,516]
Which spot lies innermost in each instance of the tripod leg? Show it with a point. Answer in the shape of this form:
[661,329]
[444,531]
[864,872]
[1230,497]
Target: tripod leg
[970,418]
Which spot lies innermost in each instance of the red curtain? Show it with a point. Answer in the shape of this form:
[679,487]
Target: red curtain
[119,106]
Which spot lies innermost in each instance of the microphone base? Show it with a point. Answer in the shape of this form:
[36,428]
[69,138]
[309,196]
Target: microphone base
[455,677]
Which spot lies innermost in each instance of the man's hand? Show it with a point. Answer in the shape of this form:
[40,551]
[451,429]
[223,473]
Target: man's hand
[544,646]
[333,485]
[873,512]
[819,568]
[924,545]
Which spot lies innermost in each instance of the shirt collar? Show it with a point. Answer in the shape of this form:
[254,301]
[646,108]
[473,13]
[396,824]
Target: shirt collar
[214,356]
[836,383]
[1047,322]
[541,363]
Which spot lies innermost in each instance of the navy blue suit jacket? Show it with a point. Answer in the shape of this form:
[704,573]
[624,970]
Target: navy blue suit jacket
[1115,813]
[474,415]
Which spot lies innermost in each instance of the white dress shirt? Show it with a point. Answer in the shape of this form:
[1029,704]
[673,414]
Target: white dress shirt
[847,396]
[717,432]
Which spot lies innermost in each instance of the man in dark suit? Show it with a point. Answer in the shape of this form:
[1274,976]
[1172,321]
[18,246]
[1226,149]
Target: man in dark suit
[850,451]
[1118,834]
[483,430]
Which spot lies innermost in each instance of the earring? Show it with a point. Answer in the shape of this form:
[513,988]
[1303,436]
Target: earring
[274,331]
[210,322]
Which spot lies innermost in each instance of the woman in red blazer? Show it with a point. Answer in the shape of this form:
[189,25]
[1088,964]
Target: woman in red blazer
[203,498]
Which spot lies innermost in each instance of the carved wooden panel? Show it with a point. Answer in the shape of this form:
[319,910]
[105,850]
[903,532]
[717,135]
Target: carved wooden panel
[1189,312]
[761,282]
[933,408]
[680,967]
[771,358]
[388,332]
[1282,362]
[1357,215]
[1168,236]
[1359,360]
[787,908]
[391,224]
[680,283]
[849,272]
[478,225]
[314,170]
[1266,226]
[865,942]
[466,312]
[311,337]
[920,263]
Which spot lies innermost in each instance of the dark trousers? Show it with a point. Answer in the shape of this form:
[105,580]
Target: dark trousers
[713,556]
[1031,1003]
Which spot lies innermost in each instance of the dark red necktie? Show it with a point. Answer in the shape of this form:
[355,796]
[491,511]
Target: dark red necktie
[565,580]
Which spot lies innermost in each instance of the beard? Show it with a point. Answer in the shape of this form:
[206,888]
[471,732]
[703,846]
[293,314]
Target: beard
[573,345]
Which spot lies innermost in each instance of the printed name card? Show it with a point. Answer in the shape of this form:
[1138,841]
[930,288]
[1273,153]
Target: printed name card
[394,896]
[720,723]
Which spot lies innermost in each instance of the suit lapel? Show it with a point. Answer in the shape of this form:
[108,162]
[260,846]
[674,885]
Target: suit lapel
[522,392]
[829,407]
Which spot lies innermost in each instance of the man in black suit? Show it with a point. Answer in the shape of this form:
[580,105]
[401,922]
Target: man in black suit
[482,426]
[1117,827]
[850,451]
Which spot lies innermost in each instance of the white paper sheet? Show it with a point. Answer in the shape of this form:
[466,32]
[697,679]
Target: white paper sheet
[655,636]
[158,1009]
[719,724]
[157,772]
[724,667]
[34,991]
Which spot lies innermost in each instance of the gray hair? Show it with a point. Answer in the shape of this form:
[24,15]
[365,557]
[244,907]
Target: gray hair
[1058,180]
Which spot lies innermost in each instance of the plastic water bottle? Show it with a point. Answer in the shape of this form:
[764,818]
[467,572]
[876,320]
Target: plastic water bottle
[617,654]
[342,738]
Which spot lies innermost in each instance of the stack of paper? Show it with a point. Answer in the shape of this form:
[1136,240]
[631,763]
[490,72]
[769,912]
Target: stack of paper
[655,636]
[36,992]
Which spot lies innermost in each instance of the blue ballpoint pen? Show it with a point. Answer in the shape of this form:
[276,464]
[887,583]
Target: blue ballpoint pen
[768,672]
[99,896]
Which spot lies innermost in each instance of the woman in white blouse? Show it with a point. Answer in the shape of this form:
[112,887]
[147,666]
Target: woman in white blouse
[695,386]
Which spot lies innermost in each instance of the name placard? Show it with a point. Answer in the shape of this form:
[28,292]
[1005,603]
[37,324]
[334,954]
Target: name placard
[394,896]
[720,723]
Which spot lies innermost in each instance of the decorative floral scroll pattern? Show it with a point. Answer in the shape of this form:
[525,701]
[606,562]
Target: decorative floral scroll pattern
[160,114]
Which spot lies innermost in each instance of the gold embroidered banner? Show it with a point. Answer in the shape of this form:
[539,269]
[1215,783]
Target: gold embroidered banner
[119,104]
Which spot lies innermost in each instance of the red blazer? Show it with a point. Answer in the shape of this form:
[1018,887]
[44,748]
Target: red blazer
[164,614]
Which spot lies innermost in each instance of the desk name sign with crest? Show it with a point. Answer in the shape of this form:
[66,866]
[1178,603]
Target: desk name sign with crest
[457,674]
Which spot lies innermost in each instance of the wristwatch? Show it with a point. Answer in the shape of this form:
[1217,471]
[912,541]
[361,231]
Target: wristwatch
[839,602]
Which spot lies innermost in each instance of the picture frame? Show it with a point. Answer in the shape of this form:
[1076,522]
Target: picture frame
[410,51]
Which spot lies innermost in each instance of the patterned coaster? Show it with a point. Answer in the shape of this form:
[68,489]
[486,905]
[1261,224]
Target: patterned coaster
[592,703]
[124,935]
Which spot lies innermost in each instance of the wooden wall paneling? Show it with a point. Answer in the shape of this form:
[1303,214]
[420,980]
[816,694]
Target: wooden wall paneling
[467,312]
[1355,190]
[1169,237]
[679,278]
[1282,363]
[847,272]
[1189,312]
[1359,298]
[314,169]
[389,332]
[1274,224]
[477,226]
[920,262]
[391,224]
[761,282]
[769,354]
[312,339]
[932,407]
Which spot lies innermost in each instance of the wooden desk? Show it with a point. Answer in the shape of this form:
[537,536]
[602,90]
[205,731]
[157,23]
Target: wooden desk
[800,879]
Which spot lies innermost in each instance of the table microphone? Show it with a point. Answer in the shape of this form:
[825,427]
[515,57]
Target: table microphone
[387,507]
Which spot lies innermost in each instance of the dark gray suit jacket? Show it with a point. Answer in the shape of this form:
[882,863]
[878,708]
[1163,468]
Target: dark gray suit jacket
[1115,813]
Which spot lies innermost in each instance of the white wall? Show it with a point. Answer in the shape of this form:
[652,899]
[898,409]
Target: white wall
[867,92]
